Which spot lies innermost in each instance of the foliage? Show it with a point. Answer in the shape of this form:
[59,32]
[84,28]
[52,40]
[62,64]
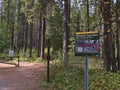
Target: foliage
[4,37]
[63,78]
[31,59]
[104,81]
[55,25]
[72,77]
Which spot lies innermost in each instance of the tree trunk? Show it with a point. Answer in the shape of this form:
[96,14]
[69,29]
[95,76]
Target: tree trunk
[88,29]
[1,14]
[19,42]
[117,33]
[31,34]
[108,45]
[9,24]
[66,30]
[118,45]
[39,38]
[112,51]
[8,12]
[78,23]
[12,34]
[43,37]
[25,36]
[31,30]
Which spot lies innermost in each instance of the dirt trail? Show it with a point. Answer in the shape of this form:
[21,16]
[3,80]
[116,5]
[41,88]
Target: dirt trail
[25,77]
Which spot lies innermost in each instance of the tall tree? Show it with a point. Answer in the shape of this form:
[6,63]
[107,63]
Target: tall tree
[31,28]
[25,34]
[88,29]
[118,32]
[43,29]
[18,21]
[25,25]
[10,19]
[42,8]
[8,23]
[108,47]
[39,37]
[66,30]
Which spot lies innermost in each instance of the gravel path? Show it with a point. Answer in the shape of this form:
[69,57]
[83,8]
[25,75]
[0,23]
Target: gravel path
[25,77]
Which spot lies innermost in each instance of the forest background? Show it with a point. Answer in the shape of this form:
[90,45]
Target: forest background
[27,24]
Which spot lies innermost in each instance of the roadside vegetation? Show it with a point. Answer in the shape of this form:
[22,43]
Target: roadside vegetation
[72,76]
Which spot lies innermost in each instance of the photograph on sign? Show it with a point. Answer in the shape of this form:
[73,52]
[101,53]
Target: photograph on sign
[87,44]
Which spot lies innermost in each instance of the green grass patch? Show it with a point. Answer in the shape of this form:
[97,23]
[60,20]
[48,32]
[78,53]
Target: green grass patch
[99,80]
[72,76]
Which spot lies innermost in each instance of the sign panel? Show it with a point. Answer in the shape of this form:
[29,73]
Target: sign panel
[11,53]
[87,43]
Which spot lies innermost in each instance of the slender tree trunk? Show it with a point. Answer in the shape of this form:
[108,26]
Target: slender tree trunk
[118,45]
[43,30]
[106,17]
[68,22]
[1,18]
[39,38]
[88,29]
[31,31]
[11,26]
[31,44]
[9,23]
[19,43]
[8,12]
[112,51]
[78,23]
[117,32]
[108,45]
[25,36]
[12,34]
[66,30]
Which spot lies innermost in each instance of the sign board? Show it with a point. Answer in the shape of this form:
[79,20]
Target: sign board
[11,53]
[87,43]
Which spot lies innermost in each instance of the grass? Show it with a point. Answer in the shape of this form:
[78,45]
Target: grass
[72,76]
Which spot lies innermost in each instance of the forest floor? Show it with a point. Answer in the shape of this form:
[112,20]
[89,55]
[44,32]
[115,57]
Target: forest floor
[25,77]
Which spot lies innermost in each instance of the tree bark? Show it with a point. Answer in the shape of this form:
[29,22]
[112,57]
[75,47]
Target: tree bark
[25,35]
[31,34]
[31,30]
[39,38]
[43,30]
[118,45]
[66,30]
[108,45]
[88,29]
[117,33]
[12,34]
[9,25]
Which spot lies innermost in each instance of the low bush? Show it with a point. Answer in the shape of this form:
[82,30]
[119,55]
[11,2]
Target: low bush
[72,76]
[99,80]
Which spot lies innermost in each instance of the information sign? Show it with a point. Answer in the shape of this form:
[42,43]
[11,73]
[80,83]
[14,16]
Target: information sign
[87,43]
[11,53]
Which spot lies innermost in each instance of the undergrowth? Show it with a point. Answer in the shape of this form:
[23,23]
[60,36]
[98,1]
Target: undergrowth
[99,80]
[72,76]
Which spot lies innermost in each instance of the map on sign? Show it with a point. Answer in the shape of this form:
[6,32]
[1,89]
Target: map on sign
[87,43]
